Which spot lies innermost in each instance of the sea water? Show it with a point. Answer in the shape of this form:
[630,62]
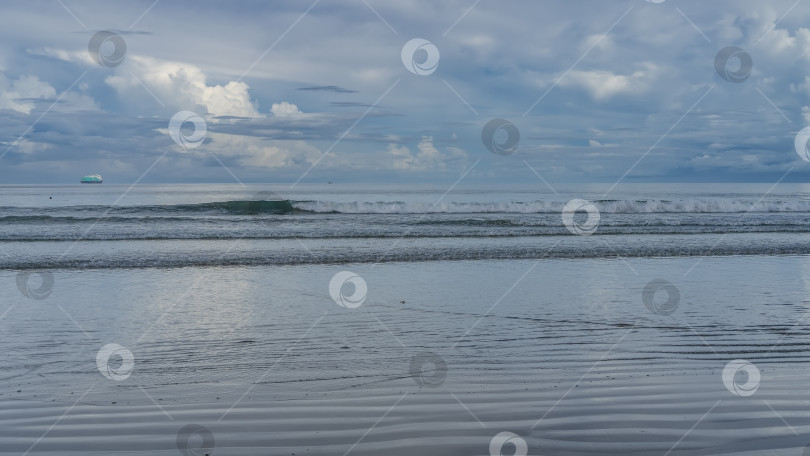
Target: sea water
[481,313]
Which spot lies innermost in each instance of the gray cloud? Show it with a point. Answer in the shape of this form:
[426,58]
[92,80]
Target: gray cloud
[604,99]
[350,104]
[329,88]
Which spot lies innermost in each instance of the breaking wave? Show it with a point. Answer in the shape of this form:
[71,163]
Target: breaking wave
[716,205]
[281,207]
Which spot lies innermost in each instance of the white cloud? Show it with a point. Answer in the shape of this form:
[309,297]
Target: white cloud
[182,86]
[594,143]
[603,84]
[427,151]
[17,95]
[803,88]
[27,147]
[427,158]
[779,42]
[62,54]
[250,151]
[285,109]
[402,156]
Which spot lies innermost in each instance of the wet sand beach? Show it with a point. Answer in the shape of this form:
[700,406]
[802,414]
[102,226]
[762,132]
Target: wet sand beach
[563,353]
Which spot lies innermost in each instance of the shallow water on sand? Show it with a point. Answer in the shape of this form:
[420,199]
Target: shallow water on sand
[561,352]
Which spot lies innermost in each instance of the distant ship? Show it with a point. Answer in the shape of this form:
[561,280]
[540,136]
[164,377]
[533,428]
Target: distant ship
[91,179]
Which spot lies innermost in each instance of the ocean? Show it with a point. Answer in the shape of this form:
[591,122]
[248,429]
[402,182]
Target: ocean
[388,319]
[107,226]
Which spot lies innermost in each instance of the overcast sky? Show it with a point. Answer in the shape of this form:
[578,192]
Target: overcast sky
[336,90]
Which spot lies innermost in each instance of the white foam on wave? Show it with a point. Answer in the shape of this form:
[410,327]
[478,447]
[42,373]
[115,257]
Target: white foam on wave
[709,205]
